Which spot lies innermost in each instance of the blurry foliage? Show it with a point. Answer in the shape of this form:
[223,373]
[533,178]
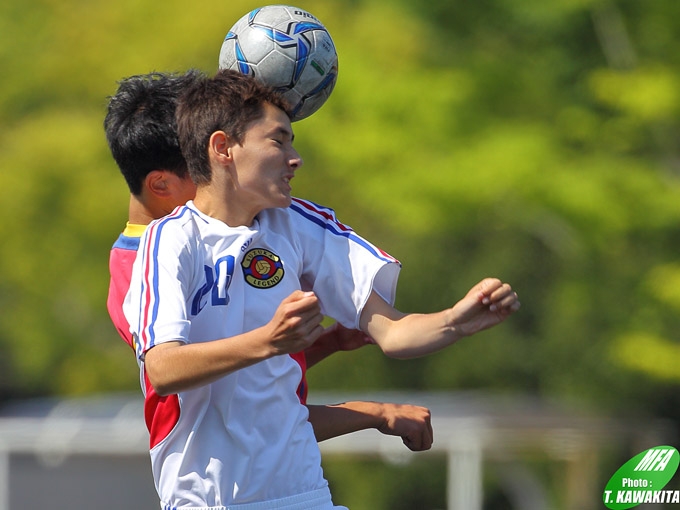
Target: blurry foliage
[532,141]
[421,482]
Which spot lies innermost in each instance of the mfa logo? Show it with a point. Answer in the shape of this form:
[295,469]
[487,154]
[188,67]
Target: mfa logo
[642,480]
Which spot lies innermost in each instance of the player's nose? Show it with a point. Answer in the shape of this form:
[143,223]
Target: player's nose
[295,160]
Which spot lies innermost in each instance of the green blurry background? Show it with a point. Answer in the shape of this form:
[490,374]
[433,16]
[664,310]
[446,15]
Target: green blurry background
[530,140]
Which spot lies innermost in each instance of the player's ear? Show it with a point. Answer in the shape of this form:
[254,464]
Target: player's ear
[220,146]
[157,183]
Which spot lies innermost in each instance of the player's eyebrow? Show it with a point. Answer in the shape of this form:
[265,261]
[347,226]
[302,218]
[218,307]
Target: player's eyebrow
[284,132]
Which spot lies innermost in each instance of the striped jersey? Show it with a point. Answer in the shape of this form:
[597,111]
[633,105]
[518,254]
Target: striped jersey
[246,437]
[121,258]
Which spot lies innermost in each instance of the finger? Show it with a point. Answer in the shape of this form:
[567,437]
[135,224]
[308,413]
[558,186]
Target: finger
[304,306]
[300,296]
[413,444]
[486,288]
[419,441]
[296,295]
[515,306]
[314,334]
[499,296]
[310,323]
[507,303]
[430,433]
[421,436]
[488,285]
[308,302]
[501,292]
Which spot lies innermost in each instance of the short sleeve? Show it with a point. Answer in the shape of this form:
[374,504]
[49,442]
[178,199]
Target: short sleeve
[155,305]
[339,265]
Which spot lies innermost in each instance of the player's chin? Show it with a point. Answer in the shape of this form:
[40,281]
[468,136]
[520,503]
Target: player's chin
[285,200]
[280,199]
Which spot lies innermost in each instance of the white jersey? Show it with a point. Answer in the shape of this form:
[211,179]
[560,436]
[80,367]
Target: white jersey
[244,438]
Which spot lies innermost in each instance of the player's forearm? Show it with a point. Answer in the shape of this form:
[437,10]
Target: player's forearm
[414,335]
[173,367]
[401,335]
[318,351]
[333,339]
[336,420]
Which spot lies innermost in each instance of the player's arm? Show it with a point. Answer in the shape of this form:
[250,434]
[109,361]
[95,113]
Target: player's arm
[175,366]
[411,423]
[401,335]
[333,339]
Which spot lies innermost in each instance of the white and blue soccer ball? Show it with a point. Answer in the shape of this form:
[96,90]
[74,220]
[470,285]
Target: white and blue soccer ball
[287,48]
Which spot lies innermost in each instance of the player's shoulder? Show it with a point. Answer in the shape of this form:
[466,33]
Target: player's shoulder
[304,207]
[310,212]
[176,228]
[177,219]
[301,214]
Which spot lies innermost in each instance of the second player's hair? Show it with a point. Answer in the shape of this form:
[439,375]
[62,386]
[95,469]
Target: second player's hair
[140,126]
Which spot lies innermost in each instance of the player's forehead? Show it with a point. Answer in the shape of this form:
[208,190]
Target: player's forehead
[273,121]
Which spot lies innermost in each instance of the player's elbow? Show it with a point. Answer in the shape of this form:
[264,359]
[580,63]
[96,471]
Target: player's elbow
[163,390]
[393,349]
[161,386]
[399,354]
[158,371]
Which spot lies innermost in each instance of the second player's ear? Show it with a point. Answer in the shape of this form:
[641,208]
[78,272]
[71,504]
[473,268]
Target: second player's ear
[157,183]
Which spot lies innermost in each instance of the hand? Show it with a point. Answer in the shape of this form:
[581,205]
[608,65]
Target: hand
[296,323]
[488,303]
[410,422]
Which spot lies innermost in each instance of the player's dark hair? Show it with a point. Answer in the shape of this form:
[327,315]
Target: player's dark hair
[140,126]
[227,102]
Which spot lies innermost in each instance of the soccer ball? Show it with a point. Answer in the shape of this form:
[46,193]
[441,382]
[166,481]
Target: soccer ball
[286,48]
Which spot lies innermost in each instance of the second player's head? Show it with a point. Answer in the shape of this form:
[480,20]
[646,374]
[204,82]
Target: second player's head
[141,129]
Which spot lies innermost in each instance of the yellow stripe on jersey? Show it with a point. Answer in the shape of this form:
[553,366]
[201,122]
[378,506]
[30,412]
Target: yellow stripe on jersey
[133,230]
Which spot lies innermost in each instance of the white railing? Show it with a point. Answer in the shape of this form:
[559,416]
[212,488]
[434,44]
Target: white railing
[470,430]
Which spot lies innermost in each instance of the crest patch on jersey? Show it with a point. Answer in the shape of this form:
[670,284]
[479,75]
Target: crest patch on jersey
[261,268]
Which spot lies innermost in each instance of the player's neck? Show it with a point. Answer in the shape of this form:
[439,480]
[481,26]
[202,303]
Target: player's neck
[141,212]
[224,206]
[138,214]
